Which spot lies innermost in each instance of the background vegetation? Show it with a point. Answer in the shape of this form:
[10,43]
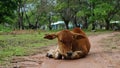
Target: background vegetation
[33,14]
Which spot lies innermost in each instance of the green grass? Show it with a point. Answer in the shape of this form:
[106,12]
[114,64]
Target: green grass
[97,32]
[21,45]
[26,44]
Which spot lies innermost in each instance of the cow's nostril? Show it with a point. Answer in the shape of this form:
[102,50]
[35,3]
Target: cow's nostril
[69,53]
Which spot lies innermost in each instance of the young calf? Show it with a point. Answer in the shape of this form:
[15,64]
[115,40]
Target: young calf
[71,44]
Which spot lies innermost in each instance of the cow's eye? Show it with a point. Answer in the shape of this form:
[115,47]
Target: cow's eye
[62,41]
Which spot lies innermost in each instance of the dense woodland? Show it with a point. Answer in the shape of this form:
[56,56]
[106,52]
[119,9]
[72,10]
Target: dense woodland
[32,14]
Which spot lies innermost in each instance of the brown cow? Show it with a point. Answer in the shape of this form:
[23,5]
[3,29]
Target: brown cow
[71,44]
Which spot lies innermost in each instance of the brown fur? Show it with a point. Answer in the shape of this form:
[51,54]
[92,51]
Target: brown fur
[74,41]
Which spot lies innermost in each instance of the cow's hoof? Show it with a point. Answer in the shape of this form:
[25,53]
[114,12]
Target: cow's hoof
[49,55]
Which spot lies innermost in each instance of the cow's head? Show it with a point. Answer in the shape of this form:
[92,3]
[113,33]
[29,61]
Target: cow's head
[66,39]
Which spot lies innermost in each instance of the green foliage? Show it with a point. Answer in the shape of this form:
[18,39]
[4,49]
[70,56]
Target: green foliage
[4,29]
[7,8]
[15,12]
[116,17]
[83,13]
[61,6]
[55,18]
[101,10]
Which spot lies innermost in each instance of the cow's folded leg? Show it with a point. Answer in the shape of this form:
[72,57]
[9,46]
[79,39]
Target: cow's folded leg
[54,54]
[77,55]
[58,55]
[49,55]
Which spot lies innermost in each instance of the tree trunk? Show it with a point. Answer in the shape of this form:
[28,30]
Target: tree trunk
[66,24]
[37,24]
[22,25]
[75,22]
[93,26]
[20,17]
[66,20]
[49,25]
[20,21]
[85,25]
[107,24]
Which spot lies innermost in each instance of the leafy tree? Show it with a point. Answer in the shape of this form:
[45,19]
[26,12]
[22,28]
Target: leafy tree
[34,13]
[105,10]
[7,8]
[63,7]
[85,12]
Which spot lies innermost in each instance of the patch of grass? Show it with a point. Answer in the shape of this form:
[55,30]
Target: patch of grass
[21,45]
[97,32]
[11,51]
[4,28]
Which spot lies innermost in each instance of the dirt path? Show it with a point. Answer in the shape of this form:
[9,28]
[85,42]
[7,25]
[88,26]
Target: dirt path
[97,58]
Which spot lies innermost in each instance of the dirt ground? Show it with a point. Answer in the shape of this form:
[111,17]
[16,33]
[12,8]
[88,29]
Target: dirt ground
[102,55]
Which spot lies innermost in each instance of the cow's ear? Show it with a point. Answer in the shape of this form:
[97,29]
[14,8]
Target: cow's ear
[50,36]
[78,36]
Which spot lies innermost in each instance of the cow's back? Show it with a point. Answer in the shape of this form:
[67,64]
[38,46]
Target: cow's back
[81,42]
[78,30]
